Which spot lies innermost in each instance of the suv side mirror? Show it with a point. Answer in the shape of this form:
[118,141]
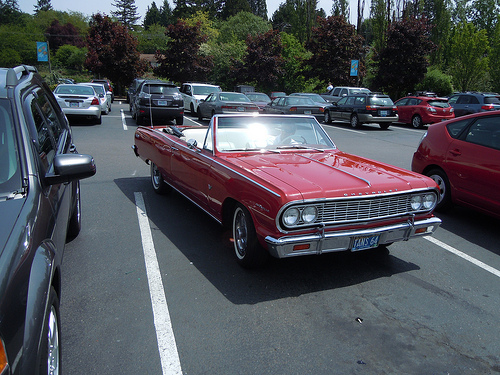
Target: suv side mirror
[69,167]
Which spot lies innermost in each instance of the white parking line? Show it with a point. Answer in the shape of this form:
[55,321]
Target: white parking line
[169,357]
[478,263]
[124,124]
[345,129]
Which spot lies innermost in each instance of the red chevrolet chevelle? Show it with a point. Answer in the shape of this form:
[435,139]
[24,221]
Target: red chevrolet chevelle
[284,188]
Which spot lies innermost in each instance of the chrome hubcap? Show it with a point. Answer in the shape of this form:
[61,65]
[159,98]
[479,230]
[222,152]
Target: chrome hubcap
[442,187]
[53,344]
[240,234]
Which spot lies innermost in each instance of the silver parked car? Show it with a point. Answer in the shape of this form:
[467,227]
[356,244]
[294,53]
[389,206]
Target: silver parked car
[104,96]
[79,101]
[225,102]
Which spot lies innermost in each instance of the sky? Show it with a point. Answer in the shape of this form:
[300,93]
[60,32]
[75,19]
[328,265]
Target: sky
[89,7]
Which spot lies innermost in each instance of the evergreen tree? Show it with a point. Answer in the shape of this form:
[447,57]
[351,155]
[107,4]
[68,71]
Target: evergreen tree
[43,6]
[259,8]
[341,8]
[233,7]
[9,12]
[153,16]
[167,17]
[126,12]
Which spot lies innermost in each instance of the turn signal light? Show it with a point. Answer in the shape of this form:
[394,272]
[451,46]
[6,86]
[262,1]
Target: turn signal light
[305,246]
[3,358]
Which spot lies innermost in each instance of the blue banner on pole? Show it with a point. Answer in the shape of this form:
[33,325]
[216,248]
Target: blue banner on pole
[42,51]
[354,68]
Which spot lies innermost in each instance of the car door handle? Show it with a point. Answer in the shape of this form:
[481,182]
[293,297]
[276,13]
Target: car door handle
[175,149]
[455,152]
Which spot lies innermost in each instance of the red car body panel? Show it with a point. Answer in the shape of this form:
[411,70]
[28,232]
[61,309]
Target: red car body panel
[266,182]
[473,170]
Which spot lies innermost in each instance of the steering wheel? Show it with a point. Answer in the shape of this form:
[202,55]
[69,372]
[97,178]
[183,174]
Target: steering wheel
[293,138]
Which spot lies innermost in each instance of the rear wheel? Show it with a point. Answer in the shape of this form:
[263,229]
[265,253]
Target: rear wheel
[247,248]
[138,120]
[328,119]
[191,108]
[200,116]
[355,121]
[159,185]
[444,199]
[98,120]
[416,122]
[179,120]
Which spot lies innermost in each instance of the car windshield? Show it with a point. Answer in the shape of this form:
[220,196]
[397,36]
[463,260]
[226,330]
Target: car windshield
[439,103]
[159,89]
[75,90]
[10,175]
[491,100]
[233,97]
[376,100]
[299,100]
[99,89]
[358,91]
[258,97]
[205,90]
[254,133]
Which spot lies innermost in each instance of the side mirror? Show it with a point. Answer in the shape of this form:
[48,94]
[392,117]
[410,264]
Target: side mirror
[192,143]
[70,167]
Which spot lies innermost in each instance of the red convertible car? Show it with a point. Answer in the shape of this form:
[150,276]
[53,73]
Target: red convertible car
[284,188]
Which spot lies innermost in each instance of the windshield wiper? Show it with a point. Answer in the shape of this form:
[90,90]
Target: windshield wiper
[300,147]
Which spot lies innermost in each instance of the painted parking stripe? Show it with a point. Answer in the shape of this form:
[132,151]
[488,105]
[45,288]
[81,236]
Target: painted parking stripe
[169,357]
[451,249]
[124,124]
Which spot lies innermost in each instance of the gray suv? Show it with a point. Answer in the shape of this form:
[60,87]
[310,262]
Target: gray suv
[472,102]
[40,171]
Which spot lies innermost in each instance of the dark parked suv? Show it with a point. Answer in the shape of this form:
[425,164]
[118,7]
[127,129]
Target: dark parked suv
[156,101]
[39,210]
[363,108]
[472,102]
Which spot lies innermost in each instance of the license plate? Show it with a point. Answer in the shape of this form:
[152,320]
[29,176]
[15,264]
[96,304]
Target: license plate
[163,102]
[307,112]
[384,113]
[241,109]
[363,243]
[74,104]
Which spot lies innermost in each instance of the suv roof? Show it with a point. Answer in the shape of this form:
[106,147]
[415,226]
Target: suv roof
[10,77]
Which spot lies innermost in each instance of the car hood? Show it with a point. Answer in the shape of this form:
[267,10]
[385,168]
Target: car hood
[328,174]
[10,212]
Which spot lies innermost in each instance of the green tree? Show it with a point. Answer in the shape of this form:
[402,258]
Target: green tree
[379,23]
[126,13]
[232,7]
[240,26]
[403,62]
[485,15]
[167,17]
[295,55]
[469,57]
[112,52]
[70,57]
[259,8]
[495,56]
[438,14]
[152,17]
[263,64]
[43,6]
[152,39]
[18,44]
[333,44]
[297,17]
[341,8]
[9,12]
[180,61]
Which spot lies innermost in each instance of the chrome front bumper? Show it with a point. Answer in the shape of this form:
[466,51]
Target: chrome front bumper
[325,242]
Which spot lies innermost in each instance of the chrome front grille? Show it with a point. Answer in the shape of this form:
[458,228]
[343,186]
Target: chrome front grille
[341,211]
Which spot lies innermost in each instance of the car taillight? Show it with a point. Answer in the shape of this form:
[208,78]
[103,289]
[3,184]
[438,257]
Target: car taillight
[371,107]
[322,110]
[95,101]
[293,109]
[489,107]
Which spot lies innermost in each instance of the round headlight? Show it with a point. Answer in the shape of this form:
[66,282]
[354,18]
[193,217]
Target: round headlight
[309,214]
[429,201]
[291,216]
[416,202]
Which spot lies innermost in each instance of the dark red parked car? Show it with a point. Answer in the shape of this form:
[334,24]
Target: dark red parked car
[422,110]
[463,157]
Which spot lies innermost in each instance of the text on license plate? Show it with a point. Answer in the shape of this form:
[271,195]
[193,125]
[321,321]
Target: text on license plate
[162,102]
[307,112]
[363,243]
[383,113]
[241,109]
[73,104]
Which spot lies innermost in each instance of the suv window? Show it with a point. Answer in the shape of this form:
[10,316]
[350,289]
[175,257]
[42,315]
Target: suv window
[9,161]
[159,89]
[377,100]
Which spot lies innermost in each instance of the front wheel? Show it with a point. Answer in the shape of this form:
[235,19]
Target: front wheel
[50,360]
[355,121]
[247,249]
[444,199]
[159,185]
[416,121]
[328,119]
[75,221]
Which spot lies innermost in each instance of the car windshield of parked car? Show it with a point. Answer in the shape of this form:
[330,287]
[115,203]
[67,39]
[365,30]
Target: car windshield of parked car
[75,90]
[204,90]
[270,133]
[358,91]
[491,100]
[10,177]
[258,97]
[439,103]
[299,100]
[99,89]
[159,89]
[234,97]
[376,100]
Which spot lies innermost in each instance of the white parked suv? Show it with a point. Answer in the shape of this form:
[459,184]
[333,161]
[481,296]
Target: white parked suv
[194,93]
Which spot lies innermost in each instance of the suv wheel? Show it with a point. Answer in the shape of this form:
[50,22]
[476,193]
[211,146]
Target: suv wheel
[355,121]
